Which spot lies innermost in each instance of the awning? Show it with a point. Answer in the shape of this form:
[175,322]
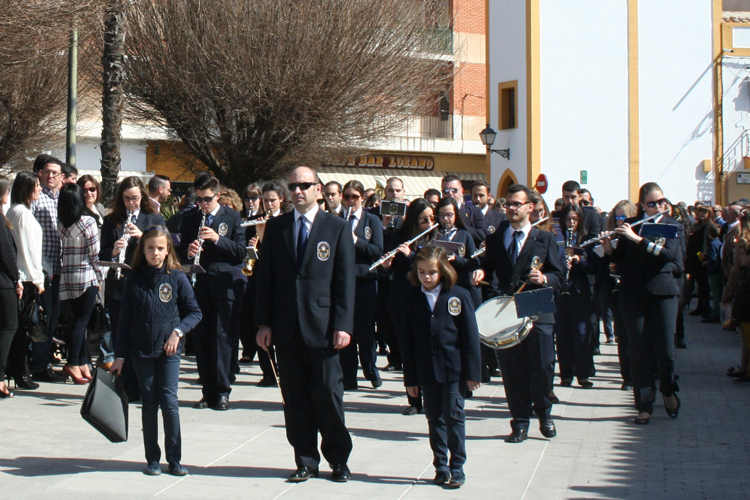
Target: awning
[416,182]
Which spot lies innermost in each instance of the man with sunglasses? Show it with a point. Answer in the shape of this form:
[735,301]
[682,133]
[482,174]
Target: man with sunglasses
[527,367]
[45,212]
[472,216]
[305,308]
[223,246]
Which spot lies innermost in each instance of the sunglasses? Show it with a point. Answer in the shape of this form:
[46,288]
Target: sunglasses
[450,190]
[351,197]
[252,198]
[91,190]
[654,204]
[425,220]
[205,199]
[303,186]
[620,217]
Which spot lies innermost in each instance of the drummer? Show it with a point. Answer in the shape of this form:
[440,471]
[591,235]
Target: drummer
[526,367]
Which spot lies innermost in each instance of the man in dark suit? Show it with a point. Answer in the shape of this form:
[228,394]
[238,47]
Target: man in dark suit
[305,307]
[571,195]
[527,367]
[223,246]
[480,194]
[472,216]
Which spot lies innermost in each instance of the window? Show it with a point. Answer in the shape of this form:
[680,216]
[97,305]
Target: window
[508,104]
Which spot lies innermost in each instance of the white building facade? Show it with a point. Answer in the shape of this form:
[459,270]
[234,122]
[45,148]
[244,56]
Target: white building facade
[610,93]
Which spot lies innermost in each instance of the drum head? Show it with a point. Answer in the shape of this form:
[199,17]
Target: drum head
[494,323]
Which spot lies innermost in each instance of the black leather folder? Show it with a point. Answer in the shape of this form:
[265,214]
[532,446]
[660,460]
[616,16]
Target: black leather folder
[105,406]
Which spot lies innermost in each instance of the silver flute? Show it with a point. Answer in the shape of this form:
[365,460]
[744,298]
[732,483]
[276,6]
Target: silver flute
[197,258]
[254,222]
[130,219]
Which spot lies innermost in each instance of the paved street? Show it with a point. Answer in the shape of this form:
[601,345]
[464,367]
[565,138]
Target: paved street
[48,451]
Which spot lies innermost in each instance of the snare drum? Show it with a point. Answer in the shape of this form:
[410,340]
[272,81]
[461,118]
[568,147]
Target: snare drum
[499,325]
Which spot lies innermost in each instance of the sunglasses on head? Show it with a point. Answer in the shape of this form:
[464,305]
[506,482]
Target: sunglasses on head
[205,199]
[654,204]
[303,186]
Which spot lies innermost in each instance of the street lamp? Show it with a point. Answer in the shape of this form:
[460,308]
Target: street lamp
[488,139]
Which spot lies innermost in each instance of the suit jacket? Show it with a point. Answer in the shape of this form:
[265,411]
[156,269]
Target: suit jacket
[9,274]
[217,258]
[439,347]
[368,250]
[592,222]
[492,220]
[541,243]
[110,234]
[316,294]
[474,220]
[643,272]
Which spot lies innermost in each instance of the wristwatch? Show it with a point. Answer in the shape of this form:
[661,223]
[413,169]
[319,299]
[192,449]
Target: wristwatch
[180,334]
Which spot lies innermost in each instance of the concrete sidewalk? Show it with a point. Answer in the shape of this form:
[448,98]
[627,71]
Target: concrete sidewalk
[48,451]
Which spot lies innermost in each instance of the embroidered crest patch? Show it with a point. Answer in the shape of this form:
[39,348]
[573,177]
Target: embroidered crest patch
[324,251]
[454,306]
[223,229]
[490,229]
[165,292]
[368,232]
[462,250]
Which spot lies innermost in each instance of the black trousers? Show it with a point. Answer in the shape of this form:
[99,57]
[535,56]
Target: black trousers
[8,325]
[18,359]
[363,336]
[311,382]
[444,409]
[236,326]
[384,320]
[573,332]
[213,346]
[650,321]
[397,316]
[527,376]
[78,345]
[623,340]
[159,378]
[249,330]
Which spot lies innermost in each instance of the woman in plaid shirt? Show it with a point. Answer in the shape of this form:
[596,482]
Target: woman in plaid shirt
[79,278]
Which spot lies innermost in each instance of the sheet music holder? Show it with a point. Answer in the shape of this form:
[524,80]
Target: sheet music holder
[535,302]
[112,265]
[652,231]
[452,247]
[397,208]
[192,269]
[252,253]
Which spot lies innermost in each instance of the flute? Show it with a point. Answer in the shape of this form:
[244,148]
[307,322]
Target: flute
[481,250]
[256,222]
[393,252]
[610,233]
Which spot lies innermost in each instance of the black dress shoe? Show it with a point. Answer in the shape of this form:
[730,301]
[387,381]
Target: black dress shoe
[457,481]
[392,368]
[442,477]
[517,437]
[552,398]
[626,386]
[202,404]
[341,473]
[48,375]
[351,387]
[495,372]
[680,344]
[642,421]
[177,469]
[303,474]
[585,383]
[376,383]
[547,428]
[222,404]
[596,352]
[267,382]
[566,382]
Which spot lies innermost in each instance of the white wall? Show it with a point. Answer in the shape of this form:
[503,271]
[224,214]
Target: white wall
[736,108]
[584,96]
[507,62]
[133,154]
[676,102]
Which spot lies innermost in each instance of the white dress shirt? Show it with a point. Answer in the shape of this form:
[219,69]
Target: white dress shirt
[308,220]
[432,295]
[508,237]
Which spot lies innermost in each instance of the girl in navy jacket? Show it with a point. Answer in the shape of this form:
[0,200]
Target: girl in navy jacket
[441,357]
[158,308]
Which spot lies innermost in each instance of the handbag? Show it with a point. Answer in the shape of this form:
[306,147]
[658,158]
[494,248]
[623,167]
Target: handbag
[105,406]
[99,323]
[34,321]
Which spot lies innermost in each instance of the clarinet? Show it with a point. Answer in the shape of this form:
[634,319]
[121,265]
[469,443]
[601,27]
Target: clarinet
[197,258]
[568,241]
[130,219]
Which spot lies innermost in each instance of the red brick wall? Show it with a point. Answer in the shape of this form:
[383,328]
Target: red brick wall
[469,16]
[469,78]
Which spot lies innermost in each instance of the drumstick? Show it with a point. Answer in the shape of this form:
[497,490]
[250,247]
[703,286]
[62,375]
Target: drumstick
[278,382]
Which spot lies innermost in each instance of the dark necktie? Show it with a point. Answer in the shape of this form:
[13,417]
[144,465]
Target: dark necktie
[513,248]
[301,239]
[352,221]
[209,220]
